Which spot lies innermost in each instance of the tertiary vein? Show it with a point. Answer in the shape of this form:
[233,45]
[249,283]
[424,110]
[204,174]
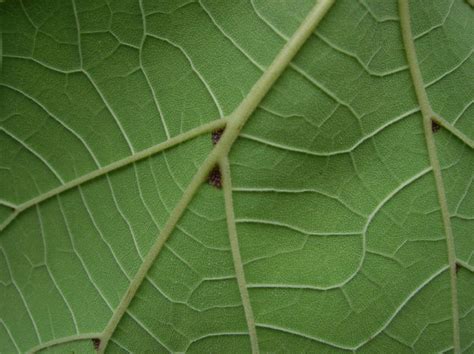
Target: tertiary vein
[235,123]
[427,113]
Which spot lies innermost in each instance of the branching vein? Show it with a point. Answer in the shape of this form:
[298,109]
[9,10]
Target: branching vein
[235,123]
[219,123]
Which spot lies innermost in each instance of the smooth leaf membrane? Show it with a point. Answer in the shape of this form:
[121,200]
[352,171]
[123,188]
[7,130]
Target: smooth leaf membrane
[341,221]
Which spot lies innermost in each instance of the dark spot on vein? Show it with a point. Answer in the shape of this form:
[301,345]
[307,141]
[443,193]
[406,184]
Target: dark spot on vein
[96,343]
[216,135]
[435,126]
[215,178]
[458,266]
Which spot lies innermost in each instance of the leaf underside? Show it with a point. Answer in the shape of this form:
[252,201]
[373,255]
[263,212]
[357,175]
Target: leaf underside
[335,222]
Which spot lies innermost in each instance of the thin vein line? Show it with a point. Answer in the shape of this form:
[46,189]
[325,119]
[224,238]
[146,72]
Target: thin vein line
[403,304]
[460,114]
[236,121]
[124,217]
[194,69]
[148,331]
[351,148]
[10,335]
[78,255]
[111,111]
[50,273]
[43,64]
[23,300]
[230,39]
[34,153]
[450,71]
[355,348]
[304,335]
[78,27]
[153,93]
[236,257]
[427,114]
[55,118]
[97,228]
[219,123]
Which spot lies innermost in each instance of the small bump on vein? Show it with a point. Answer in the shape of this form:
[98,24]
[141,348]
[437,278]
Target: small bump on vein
[435,126]
[96,343]
[215,178]
[216,135]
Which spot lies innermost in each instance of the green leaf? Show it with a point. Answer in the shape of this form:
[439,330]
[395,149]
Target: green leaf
[340,211]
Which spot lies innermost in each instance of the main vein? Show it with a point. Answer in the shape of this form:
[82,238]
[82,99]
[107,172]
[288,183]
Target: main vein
[427,113]
[235,123]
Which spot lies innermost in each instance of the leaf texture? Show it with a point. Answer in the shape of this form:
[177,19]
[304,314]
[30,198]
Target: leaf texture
[343,213]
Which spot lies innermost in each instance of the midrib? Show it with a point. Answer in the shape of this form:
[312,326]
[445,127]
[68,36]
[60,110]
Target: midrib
[428,115]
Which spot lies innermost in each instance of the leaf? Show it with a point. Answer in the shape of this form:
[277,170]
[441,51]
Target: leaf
[339,216]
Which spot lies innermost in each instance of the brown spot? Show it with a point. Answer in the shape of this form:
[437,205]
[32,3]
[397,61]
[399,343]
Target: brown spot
[215,178]
[216,135]
[435,126]
[458,266]
[96,343]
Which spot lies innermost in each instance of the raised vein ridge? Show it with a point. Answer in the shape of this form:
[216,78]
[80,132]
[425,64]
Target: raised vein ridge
[63,340]
[427,113]
[178,139]
[234,245]
[235,123]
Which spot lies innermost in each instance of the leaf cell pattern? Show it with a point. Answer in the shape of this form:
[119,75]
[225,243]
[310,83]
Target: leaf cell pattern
[343,223]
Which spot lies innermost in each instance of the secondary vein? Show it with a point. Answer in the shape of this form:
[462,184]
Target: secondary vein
[219,123]
[453,130]
[63,340]
[236,257]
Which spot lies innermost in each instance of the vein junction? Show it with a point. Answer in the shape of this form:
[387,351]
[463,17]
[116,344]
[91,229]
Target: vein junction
[234,123]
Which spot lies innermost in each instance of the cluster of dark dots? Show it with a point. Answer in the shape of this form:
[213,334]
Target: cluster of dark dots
[96,343]
[457,267]
[215,178]
[216,135]
[434,126]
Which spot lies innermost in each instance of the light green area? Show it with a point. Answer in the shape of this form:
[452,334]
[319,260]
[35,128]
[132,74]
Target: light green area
[334,200]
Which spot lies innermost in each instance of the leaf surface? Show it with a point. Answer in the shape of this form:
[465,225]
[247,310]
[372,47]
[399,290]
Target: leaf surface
[342,215]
